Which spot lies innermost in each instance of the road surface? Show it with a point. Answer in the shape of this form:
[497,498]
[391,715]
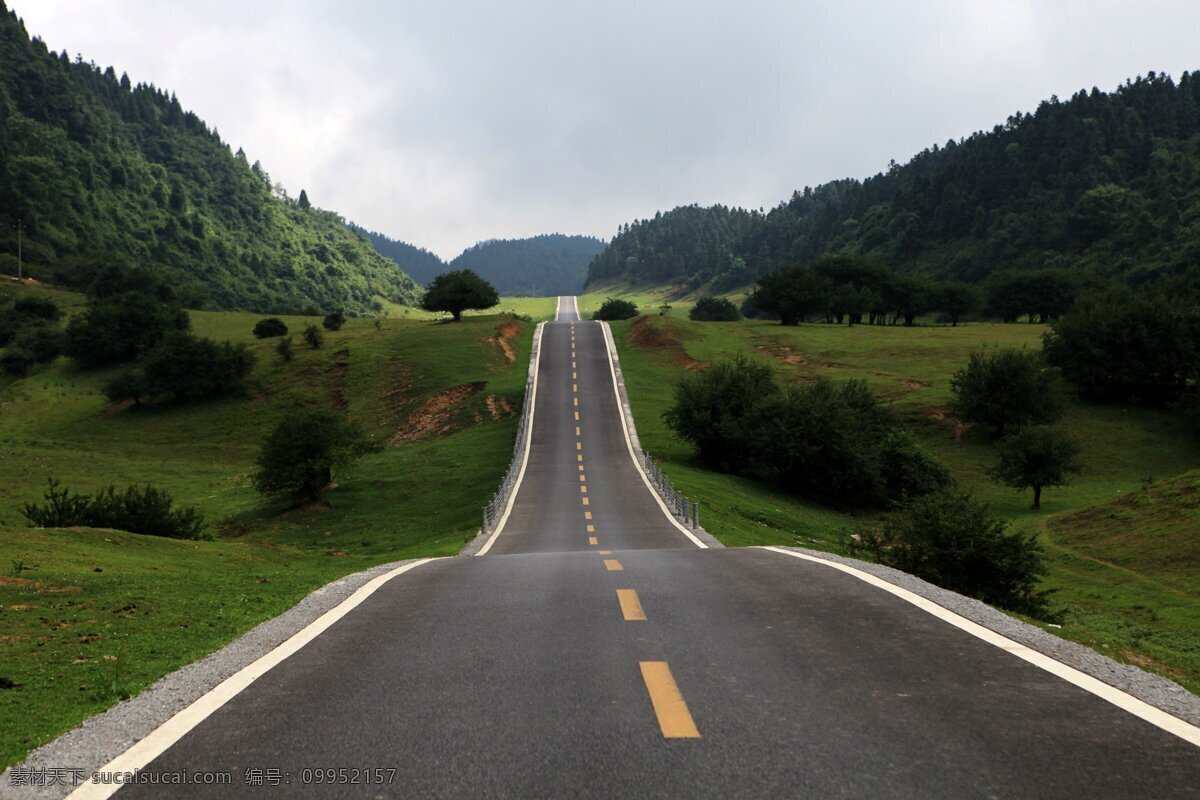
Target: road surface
[596,651]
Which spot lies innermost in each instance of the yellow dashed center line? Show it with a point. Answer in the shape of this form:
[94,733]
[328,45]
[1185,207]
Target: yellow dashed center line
[575,400]
[581,466]
[612,565]
[575,387]
[578,432]
[673,716]
[579,457]
[585,502]
[631,606]
[591,528]
[577,416]
[583,490]
[587,514]
[593,541]
[606,553]
[582,478]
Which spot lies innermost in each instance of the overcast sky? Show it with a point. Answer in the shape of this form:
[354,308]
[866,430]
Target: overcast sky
[443,123]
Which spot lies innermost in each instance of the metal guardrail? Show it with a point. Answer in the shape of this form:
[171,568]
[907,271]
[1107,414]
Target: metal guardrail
[686,510]
[495,509]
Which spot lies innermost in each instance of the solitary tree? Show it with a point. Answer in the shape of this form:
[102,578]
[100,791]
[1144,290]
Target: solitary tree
[457,291]
[303,201]
[1036,457]
[301,453]
[334,321]
[1007,389]
[792,292]
[314,337]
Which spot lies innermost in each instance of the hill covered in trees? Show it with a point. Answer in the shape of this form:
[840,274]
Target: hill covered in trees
[1105,183]
[418,262]
[98,170]
[540,266]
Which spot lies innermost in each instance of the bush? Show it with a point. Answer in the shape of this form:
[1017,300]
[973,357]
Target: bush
[122,328]
[130,385]
[1037,457]
[829,442]
[270,327]
[614,309]
[714,309]
[457,291]
[284,349]
[1007,389]
[43,343]
[949,539]
[836,444]
[138,509]
[37,308]
[710,407]
[298,457]
[16,362]
[334,321]
[185,367]
[1125,345]
[313,336]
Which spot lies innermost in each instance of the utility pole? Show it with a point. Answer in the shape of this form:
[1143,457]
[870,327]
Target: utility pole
[20,266]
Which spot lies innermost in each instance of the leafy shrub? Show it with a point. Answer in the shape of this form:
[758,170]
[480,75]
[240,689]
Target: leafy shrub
[1007,389]
[37,308]
[129,385]
[714,309]
[614,308]
[711,406]
[1123,344]
[16,362]
[269,327]
[829,442]
[284,349]
[185,367]
[43,343]
[1037,457]
[313,336]
[122,328]
[949,539]
[138,509]
[298,457]
[334,321]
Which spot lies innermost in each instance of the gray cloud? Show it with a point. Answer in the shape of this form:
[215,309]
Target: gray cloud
[443,123]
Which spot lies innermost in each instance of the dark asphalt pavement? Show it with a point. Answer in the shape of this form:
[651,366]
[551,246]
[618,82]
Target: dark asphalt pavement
[518,674]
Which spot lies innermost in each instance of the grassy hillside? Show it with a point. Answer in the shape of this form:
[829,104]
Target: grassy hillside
[442,397]
[97,169]
[1124,449]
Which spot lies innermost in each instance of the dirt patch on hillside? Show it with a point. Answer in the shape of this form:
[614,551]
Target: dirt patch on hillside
[437,415]
[648,335]
[338,372]
[504,336]
[5,580]
[942,413]
[909,383]
[788,355]
[499,407]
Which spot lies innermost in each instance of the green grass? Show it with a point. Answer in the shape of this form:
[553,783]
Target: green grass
[1125,591]
[536,308]
[419,495]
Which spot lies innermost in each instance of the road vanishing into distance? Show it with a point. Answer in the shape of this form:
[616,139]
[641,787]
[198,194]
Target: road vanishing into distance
[596,650]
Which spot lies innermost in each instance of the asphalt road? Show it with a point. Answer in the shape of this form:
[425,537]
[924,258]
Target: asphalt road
[610,657]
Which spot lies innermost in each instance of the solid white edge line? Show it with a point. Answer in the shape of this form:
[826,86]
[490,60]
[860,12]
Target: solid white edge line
[1126,702]
[174,729]
[512,497]
[575,302]
[610,347]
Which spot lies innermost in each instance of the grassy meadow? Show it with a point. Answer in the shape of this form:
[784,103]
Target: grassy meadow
[89,616]
[1124,569]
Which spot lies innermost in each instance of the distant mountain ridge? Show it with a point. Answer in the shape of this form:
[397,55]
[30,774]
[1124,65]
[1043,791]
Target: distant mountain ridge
[539,266]
[1106,183]
[97,169]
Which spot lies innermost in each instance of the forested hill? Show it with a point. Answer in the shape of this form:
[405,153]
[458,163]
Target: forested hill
[1105,182]
[540,266]
[99,170]
[418,262]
